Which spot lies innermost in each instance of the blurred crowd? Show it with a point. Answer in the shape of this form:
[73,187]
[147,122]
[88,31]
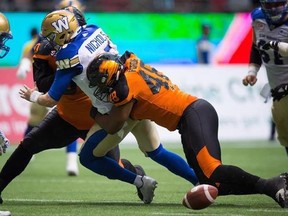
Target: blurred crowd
[181,6]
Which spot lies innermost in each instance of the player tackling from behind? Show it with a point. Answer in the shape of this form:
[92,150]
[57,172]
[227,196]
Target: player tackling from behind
[139,91]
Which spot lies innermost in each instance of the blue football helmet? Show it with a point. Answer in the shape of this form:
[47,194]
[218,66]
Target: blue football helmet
[275,11]
[5,35]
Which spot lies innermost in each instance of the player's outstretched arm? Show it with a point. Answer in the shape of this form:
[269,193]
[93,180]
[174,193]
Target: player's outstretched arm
[35,96]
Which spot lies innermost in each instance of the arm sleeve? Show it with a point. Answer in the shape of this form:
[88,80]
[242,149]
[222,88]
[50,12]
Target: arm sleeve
[255,57]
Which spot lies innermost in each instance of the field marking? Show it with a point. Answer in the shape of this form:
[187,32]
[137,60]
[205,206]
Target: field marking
[204,213]
[64,201]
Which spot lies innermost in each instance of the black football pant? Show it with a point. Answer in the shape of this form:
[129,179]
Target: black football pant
[52,133]
[199,128]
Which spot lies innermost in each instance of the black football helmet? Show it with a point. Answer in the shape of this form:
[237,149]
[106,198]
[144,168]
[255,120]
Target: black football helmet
[103,72]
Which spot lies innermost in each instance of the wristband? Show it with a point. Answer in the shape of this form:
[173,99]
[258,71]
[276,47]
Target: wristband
[253,69]
[34,96]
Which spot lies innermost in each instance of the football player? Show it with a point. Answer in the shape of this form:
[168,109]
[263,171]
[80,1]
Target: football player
[269,38]
[5,35]
[77,46]
[140,91]
[65,117]
[38,112]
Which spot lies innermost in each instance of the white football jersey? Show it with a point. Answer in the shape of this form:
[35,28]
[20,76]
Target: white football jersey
[91,42]
[275,64]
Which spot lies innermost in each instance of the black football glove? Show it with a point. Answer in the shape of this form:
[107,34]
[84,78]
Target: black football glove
[271,44]
[279,92]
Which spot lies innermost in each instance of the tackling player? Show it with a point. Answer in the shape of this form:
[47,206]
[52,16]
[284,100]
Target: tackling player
[270,22]
[140,91]
[77,46]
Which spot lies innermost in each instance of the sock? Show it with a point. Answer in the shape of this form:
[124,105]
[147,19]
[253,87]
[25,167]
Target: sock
[103,165]
[234,180]
[72,147]
[174,163]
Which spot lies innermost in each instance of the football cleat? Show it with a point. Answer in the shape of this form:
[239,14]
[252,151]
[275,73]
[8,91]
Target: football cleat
[5,213]
[72,166]
[147,189]
[1,200]
[281,184]
[139,171]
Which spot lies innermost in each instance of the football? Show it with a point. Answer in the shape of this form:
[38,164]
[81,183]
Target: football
[200,197]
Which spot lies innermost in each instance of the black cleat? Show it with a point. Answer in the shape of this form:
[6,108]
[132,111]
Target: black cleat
[281,184]
[139,171]
[1,200]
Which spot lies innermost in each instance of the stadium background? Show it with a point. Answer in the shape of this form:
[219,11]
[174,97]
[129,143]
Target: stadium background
[166,39]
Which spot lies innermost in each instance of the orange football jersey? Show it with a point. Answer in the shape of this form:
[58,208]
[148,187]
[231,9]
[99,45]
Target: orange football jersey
[158,99]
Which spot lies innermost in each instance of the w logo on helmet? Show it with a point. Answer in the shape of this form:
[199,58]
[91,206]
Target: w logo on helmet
[61,24]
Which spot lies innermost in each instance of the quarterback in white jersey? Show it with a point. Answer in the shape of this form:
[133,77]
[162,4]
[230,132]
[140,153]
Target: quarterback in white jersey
[270,26]
[77,46]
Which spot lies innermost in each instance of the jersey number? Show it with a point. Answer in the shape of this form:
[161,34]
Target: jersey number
[154,79]
[265,56]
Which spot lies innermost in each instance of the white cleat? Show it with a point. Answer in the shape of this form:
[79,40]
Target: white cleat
[5,213]
[72,165]
[147,189]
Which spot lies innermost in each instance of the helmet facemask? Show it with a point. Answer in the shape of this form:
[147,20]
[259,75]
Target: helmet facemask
[274,10]
[4,49]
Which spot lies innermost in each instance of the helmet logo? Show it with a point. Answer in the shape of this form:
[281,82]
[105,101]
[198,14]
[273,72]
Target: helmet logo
[61,24]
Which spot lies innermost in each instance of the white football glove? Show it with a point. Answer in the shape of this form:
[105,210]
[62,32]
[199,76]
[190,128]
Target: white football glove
[4,143]
[25,67]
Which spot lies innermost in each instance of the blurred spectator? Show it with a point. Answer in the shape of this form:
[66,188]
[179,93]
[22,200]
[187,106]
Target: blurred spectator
[204,46]
[137,5]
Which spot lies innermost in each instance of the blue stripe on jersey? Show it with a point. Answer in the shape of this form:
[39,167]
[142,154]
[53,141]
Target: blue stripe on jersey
[257,14]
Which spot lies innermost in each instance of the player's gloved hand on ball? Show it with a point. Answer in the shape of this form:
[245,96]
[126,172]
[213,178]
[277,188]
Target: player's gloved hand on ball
[4,143]
[272,45]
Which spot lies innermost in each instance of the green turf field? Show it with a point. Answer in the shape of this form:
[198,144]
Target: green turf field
[45,189]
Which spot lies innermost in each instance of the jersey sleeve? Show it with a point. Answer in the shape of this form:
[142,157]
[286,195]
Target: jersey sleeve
[68,66]
[44,66]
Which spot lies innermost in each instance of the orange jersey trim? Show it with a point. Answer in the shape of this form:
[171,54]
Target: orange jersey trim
[207,163]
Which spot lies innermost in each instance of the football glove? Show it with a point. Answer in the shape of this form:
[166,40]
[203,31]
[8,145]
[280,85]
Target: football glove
[4,143]
[279,92]
[272,45]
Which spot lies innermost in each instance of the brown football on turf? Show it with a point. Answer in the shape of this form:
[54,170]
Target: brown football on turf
[200,197]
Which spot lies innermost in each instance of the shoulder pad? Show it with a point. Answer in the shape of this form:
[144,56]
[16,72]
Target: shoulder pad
[44,48]
[257,14]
